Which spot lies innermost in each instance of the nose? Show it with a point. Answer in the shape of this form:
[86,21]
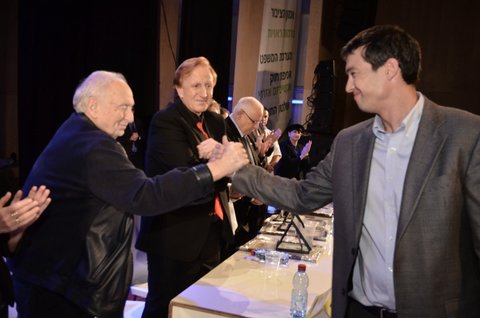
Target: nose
[129,115]
[349,85]
[204,92]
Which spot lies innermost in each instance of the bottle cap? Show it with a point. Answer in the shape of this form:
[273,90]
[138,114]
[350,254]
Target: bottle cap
[302,267]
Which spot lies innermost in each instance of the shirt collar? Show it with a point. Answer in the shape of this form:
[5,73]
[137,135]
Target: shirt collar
[238,128]
[409,123]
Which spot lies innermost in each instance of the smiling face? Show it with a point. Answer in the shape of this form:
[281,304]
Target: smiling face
[112,111]
[367,86]
[294,136]
[196,89]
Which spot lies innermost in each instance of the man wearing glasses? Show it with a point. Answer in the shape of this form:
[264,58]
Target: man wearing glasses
[245,119]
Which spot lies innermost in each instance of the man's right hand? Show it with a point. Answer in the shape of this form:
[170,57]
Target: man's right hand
[229,157]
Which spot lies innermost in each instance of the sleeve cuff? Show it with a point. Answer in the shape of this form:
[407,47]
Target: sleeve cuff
[203,175]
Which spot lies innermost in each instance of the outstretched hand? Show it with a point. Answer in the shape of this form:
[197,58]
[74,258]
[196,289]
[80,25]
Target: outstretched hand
[226,158]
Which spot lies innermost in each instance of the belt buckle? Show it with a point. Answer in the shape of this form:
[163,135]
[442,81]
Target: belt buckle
[384,313]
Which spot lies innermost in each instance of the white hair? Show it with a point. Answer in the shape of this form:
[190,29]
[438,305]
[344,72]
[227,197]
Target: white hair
[247,102]
[93,86]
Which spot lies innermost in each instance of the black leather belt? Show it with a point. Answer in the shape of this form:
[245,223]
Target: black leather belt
[380,312]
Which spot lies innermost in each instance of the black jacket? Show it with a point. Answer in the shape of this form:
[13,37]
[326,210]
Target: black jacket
[290,165]
[172,142]
[6,291]
[80,246]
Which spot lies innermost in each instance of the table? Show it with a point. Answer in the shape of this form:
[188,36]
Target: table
[240,287]
[243,287]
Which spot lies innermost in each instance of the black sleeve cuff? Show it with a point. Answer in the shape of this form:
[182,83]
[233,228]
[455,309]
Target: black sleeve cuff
[203,175]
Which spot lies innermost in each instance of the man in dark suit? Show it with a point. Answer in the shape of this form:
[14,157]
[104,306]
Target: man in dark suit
[405,189]
[184,245]
[75,261]
[245,119]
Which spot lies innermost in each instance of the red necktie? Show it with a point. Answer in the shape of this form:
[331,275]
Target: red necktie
[218,206]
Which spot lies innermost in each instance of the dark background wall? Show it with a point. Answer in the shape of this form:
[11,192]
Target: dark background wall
[205,30]
[60,43]
[447,32]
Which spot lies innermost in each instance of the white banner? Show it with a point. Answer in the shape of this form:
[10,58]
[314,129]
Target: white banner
[277,59]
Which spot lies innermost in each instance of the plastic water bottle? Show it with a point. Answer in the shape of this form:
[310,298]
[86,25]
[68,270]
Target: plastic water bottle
[298,306]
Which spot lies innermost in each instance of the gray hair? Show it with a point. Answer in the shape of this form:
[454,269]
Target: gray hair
[93,86]
[247,102]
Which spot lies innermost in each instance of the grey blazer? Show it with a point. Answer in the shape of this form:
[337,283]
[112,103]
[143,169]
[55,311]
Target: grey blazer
[437,250]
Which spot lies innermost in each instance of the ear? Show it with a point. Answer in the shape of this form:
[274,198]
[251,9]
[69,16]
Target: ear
[179,91]
[92,108]
[392,68]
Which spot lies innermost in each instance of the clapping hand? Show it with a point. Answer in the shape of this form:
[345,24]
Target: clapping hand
[306,150]
[264,145]
[21,213]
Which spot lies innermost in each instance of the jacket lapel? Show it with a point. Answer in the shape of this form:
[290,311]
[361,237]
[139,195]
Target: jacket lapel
[428,145]
[363,144]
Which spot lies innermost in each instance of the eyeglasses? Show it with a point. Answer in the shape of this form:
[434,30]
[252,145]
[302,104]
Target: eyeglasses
[253,121]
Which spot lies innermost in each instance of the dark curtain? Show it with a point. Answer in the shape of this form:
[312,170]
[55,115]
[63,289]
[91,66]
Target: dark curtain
[205,30]
[62,42]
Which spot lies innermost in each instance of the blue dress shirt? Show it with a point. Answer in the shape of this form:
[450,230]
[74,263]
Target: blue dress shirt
[373,272]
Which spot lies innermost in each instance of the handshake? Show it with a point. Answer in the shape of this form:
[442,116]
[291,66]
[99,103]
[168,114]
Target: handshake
[223,158]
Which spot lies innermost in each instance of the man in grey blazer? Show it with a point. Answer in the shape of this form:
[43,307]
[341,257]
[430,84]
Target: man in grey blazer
[405,186]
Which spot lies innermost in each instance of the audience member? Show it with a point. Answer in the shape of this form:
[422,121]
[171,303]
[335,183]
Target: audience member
[14,219]
[217,108]
[184,245]
[214,106]
[405,189]
[224,112]
[76,261]
[244,119]
[274,154]
[295,160]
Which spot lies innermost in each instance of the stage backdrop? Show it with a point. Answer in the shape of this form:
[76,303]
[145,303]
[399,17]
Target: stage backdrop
[270,39]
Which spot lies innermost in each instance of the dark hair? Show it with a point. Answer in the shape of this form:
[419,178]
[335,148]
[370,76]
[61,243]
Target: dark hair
[296,127]
[382,42]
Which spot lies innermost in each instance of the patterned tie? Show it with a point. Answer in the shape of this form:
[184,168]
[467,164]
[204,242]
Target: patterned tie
[218,206]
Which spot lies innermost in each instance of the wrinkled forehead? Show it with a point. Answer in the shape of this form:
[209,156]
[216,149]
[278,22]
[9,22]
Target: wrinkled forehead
[118,93]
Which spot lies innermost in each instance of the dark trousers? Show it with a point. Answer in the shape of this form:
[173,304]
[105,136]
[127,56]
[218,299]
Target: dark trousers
[37,302]
[167,277]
